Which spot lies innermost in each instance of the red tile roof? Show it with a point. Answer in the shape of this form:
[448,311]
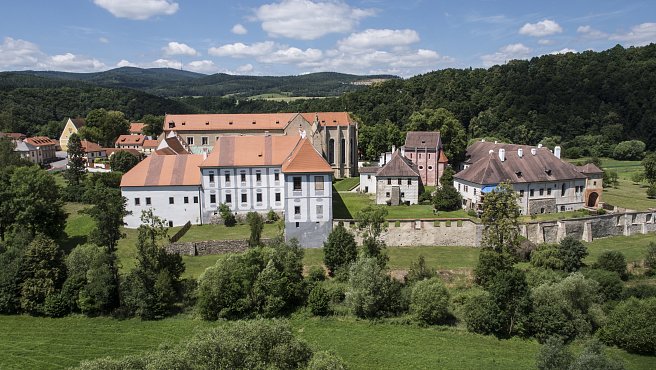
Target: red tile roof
[165,170]
[89,146]
[13,135]
[130,140]
[244,151]
[150,143]
[136,127]
[40,141]
[227,122]
[329,118]
[305,159]
[132,151]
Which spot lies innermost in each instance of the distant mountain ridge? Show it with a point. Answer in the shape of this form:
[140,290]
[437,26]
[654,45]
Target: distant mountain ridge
[170,82]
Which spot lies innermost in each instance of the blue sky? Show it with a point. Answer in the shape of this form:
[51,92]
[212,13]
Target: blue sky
[282,37]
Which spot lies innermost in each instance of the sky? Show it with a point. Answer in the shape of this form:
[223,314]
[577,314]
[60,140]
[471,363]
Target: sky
[292,37]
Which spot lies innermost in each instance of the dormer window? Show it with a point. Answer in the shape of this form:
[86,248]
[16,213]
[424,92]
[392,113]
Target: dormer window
[253,122]
[183,123]
[171,124]
[207,123]
[230,123]
[277,122]
[518,173]
[548,172]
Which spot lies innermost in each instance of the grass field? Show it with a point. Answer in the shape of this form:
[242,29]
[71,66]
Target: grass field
[633,247]
[41,343]
[346,184]
[346,205]
[555,216]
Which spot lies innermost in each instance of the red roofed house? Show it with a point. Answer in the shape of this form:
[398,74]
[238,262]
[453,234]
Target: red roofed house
[46,149]
[333,134]
[425,150]
[130,141]
[136,128]
[93,151]
[285,174]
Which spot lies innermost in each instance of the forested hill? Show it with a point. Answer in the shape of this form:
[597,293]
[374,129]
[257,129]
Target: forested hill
[173,82]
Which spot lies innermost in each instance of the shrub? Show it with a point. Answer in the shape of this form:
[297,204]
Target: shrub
[537,276]
[651,191]
[613,261]
[610,284]
[316,274]
[272,216]
[429,302]
[650,259]
[593,356]
[326,361]
[554,355]
[638,177]
[372,293]
[227,216]
[631,326]
[489,264]
[319,301]
[339,249]
[631,150]
[566,256]
[256,225]
[639,291]
[482,315]
[419,271]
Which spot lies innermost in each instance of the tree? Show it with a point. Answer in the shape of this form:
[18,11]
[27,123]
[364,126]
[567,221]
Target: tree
[45,272]
[631,150]
[339,250]
[500,220]
[566,256]
[40,209]
[90,133]
[371,223]
[371,292]
[630,326]
[76,169]
[446,197]
[649,163]
[429,302]
[594,356]
[154,125]
[650,259]
[7,206]
[319,301]
[8,156]
[613,261]
[11,279]
[510,292]
[452,132]
[490,263]
[554,355]
[123,161]
[256,225]
[91,286]
[418,271]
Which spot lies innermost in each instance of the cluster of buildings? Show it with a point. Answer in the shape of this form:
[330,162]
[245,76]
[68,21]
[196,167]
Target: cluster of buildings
[38,149]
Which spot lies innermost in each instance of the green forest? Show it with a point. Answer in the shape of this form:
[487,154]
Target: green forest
[587,102]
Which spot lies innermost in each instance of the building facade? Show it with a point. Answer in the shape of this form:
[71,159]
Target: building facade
[398,182]
[333,134]
[425,150]
[72,126]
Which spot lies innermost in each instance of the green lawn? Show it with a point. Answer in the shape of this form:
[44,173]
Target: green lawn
[555,216]
[633,247]
[628,195]
[42,343]
[346,205]
[346,184]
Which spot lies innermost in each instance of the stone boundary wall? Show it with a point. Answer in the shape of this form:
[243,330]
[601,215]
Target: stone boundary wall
[209,247]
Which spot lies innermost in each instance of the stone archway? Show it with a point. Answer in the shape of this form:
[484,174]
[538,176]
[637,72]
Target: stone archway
[592,199]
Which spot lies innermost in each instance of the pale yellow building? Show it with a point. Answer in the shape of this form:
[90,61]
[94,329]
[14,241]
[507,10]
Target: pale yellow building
[73,125]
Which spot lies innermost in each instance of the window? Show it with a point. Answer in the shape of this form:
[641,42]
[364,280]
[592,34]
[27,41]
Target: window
[186,200]
[258,197]
[204,140]
[137,201]
[531,193]
[195,199]
[594,183]
[399,181]
[331,151]
[276,176]
[419,155]
[389,181]
[421,167]
[368,177]
[409,181]
[228,198]
[211,178]
[318,183]
[562,190]
[298,224]
[243,177]
[521,193]
[170,223]
[402,195]
[258,177]
[212,198]
[430,168]
[548,191]
[244,198]
[541,210]
[342,150]
[297,210]
[148,201]
[429,157]
[474,191]
[387,194]
[277,197]
[190,140]
[541,192]
[227,177]
[297,183]
[319,210]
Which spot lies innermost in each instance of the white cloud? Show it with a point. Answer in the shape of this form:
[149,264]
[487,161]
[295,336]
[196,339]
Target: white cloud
[292,55]
[18,54]
[506,53]
[639,35]
[309,20]
[104,40]
[72,63]
[545,42]
[591,33]
[238,29]
[240,50]
[373,38]
[125,63]
[563,51]
[540,29]
[176,48]
[138,9]
[165,63]
[246,68]
[202,66]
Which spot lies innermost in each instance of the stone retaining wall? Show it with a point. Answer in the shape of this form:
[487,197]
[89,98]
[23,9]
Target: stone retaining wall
[209,247]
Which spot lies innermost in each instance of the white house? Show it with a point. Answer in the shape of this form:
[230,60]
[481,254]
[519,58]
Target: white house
[544,182]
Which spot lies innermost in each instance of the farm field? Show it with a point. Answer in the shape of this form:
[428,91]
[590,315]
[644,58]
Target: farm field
[44,343]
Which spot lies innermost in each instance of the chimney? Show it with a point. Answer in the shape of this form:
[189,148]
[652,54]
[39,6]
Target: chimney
[393,149]
[520,152]
[205,154]
[557,152]
[482,140]
[491,151]
[539,146]
[502,154]
[496,142]
[534,151]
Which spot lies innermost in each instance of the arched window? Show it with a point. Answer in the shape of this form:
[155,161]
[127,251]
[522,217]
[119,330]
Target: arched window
[342,152]
[331,151]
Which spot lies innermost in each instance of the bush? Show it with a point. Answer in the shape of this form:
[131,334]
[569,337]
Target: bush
[482,315]
[650,259]
[537,276]
[610,284]
[490,263]
[651,191]
[326,361]
[316,274]
[593,356]
[228,217]
[419,271]
[638,177]
[554,355]
[430,301]
[319,301]
[631,326]
[272,216]
[566,256]
[613,261]
[639,291]
[339,249]
[256,225]
[631,150]
[372,293]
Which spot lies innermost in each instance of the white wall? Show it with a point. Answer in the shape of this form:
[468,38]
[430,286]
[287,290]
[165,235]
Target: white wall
[308,198]
[179,212]
[368,182]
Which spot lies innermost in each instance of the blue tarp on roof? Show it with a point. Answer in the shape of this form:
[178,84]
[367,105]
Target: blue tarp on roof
[488,189]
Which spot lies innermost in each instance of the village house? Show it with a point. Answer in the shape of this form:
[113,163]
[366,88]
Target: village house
[247,173]
[149,146]
[398,181]
[72,126]
[333,134]
[92,151]
[136,128]
[42,149]
[425,150]
[132,141]
[544,182]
